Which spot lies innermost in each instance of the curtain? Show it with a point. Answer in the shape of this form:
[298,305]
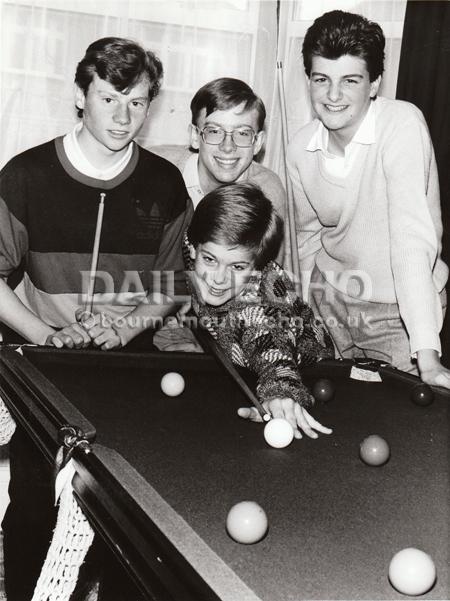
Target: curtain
[424,79]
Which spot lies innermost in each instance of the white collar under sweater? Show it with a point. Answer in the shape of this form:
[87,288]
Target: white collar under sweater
[192,180]
[81,163]
[340,166]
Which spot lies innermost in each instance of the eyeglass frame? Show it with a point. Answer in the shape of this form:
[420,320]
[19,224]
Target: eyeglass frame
[227,133]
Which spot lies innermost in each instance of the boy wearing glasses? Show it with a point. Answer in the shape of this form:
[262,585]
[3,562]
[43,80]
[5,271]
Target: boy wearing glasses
[226,134]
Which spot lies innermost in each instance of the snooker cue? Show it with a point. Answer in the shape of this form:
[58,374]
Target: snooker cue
[210,343]
[93,271]
[290,197]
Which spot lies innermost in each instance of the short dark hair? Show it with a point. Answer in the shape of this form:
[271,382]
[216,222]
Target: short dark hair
[336,33]
[226,93]
[241,215]
[120,62]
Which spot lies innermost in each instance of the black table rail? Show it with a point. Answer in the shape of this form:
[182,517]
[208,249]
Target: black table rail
[165,558]
[37,405]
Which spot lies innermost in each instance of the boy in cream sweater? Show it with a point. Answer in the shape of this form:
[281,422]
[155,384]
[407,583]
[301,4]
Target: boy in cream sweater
[367,200]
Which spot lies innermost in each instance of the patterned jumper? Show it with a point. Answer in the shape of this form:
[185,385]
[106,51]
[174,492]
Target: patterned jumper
[270,331]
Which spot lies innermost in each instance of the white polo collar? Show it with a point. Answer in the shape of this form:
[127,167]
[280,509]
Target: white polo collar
[364,135]
[192,180]
[190,172]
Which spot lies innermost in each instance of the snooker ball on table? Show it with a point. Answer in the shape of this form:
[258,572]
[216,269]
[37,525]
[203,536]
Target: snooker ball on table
[278,433]
[247,522]
[412,572]
[422,395]
[374,450]
[172,383]
[323,390]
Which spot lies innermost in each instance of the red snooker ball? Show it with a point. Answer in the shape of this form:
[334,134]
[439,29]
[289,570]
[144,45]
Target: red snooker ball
[374,450]
[422,395]
[323,390]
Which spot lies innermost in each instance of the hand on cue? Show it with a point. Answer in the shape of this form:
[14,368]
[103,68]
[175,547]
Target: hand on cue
[71,336]
[100,330]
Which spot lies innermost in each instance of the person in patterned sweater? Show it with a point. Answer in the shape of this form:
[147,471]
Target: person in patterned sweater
[248,303]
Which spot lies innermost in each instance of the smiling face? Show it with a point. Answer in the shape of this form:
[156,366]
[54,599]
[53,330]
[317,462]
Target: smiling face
[225,163]
[221,272]
[111,119]
[340,93]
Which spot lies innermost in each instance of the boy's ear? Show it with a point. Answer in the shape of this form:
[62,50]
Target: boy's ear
[260,138]
[192,252]
[374,85]
[195,136]
[80,98]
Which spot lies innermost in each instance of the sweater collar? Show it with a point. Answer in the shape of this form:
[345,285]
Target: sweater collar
[93,182]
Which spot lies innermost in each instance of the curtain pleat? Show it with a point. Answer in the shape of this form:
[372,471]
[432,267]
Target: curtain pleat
[424,80]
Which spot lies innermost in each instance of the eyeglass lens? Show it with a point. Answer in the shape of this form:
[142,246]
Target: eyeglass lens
[241,137]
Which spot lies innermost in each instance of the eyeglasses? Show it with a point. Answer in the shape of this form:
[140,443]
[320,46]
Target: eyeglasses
[242,137]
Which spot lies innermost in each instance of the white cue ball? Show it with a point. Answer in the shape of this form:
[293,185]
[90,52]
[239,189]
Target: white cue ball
[412,571]
[172,384]
[278,433]
[247,522]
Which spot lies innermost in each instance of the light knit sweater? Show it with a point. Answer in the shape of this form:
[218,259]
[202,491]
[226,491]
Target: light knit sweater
[383,221]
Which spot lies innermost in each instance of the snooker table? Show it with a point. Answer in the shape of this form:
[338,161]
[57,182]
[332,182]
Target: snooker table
[156,476]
